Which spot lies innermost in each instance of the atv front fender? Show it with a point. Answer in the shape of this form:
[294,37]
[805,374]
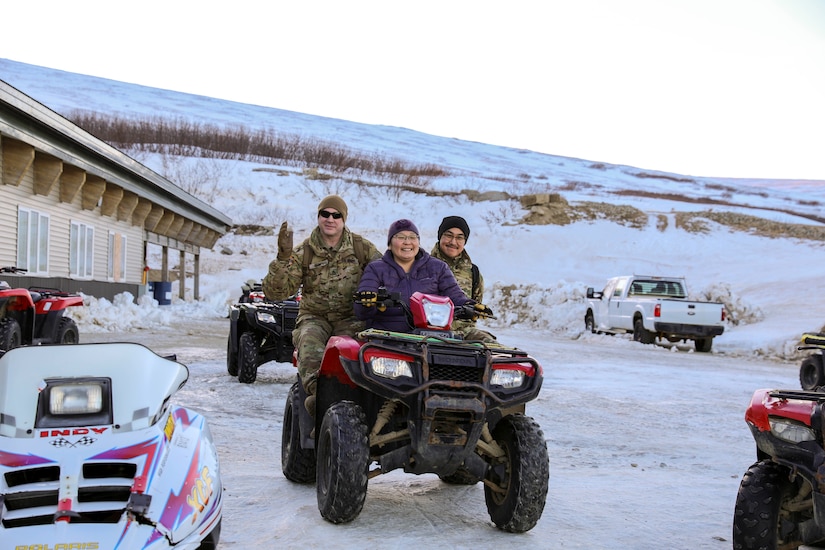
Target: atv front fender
[338,348]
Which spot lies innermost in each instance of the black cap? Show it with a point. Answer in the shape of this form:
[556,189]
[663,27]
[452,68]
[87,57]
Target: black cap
[454,221]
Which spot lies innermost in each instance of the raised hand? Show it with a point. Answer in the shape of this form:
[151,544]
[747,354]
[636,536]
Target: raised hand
[285,243]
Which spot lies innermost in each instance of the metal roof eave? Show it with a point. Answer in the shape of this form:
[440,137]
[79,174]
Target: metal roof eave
[27,120]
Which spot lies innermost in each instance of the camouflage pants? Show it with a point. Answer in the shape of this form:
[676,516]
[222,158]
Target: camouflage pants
[473,333]
[310,338]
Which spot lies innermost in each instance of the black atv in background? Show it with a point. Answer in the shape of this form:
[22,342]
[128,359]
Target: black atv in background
[259,331]
[812,369]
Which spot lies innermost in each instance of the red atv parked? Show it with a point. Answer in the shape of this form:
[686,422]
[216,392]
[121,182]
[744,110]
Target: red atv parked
[426,402]
[35,315]
[781,500]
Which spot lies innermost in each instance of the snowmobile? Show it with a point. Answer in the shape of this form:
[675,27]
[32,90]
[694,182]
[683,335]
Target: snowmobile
[260,331]
[424,401]
[94,456]
[781,499]
[812,369]
[35,315]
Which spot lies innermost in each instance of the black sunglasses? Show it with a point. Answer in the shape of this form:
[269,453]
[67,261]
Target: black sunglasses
[335,215]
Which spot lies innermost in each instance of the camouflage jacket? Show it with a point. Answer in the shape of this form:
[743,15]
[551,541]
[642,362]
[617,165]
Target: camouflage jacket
[329,277]
[462,268]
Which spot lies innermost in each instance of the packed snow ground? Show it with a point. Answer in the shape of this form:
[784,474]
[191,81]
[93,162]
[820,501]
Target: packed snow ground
[647,446]
[647,443]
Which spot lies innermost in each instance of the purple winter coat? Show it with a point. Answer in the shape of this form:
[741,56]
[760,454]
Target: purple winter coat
[427,274]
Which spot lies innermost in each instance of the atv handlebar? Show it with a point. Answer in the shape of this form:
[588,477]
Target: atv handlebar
[384,299]
[12,269]
[469,312]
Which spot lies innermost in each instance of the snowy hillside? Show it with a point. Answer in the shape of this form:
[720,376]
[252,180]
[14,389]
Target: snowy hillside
[772,278]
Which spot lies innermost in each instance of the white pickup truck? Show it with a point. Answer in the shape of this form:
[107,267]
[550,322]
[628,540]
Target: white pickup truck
[651,307]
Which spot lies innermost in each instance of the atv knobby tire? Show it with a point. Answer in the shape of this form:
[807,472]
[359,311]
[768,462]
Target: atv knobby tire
[761,515]
[67,332]
[10,335]
[297,463]
[520,477]
[811,372]
[343,461]
[248,357]
[640,334]
[231,358]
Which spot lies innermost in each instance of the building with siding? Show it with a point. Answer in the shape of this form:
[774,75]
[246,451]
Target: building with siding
[79,215]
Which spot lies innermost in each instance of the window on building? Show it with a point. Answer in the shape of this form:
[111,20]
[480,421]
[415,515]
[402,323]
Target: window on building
[81,250]
[32,241]
[117,257]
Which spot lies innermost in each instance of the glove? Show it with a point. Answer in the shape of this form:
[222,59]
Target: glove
[284,242]
[366,298]
[481,311]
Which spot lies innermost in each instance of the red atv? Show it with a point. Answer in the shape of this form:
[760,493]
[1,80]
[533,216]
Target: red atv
[35,315]
[781,499]
[424,401]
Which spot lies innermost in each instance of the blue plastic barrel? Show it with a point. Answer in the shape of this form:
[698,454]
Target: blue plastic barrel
[162,292]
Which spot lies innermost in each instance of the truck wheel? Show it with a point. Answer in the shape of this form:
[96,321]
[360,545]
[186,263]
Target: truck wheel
[67,332]
[231,358]
[297,463]
[515,489]
[10,335]
[703,344]
[248,358]
[343,460]
[761,517]
[640,334]
[811,374]
[589,325]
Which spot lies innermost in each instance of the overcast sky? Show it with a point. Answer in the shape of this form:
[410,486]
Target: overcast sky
[700,87]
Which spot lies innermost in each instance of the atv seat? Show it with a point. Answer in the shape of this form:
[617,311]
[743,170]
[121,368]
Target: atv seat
[36,296]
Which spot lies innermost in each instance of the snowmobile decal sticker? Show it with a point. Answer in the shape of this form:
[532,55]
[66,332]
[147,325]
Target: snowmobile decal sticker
[61,435]
[14,460]
[185,503]
[149,448]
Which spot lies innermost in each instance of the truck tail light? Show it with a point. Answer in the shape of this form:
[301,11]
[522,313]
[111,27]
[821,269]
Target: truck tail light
[724,314]
[657,311]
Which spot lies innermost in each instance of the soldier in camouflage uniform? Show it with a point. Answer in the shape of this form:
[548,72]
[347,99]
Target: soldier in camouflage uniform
[327,266]
[452,236]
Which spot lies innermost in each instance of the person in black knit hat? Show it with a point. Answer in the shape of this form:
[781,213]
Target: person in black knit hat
[453,234]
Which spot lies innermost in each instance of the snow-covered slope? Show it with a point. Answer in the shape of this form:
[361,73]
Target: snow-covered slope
[535,275]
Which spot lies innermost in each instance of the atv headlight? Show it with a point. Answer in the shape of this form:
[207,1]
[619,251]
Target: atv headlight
[791,430]
[390,368]
[507,378]
[437,314]
[264,317]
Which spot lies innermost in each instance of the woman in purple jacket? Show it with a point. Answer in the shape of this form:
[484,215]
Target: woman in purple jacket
[406,269]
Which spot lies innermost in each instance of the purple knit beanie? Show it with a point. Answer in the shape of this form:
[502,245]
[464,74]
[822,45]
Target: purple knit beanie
[401,225]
